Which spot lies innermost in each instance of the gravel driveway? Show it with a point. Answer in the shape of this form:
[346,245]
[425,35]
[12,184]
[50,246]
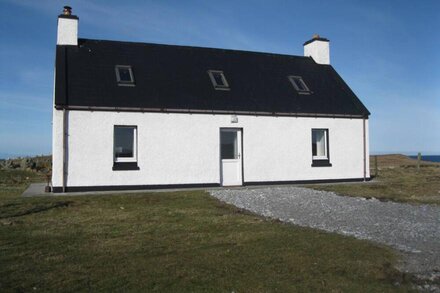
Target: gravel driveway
[412,229]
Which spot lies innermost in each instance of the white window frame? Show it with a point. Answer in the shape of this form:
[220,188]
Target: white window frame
[224,86]
[125,159]
[118,77]
[294,79]
[325,157]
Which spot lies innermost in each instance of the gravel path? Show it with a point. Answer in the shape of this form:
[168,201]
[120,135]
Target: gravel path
[412,229]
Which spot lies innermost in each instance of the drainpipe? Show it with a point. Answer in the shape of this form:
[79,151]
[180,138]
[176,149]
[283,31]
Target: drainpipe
[65,122]
[64,149]
[365,149]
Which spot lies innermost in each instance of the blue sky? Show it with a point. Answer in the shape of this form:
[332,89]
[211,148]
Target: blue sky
[387,51]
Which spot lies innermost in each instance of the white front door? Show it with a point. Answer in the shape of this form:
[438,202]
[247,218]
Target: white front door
[230,157]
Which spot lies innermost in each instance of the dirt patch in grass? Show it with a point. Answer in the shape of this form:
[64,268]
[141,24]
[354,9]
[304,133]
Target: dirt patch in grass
[398,179]
[181,241]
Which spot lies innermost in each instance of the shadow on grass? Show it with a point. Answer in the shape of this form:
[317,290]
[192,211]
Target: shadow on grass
[12,210]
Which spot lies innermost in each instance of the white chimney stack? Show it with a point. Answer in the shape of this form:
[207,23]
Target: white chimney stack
[67,28]
[319,49]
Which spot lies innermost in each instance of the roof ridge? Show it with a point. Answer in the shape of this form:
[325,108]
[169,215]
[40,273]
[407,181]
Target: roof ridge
[81,40]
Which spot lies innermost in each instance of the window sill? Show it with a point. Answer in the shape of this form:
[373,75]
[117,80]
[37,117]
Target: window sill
[126,84]
[125,166]
[218,88]
[321,163]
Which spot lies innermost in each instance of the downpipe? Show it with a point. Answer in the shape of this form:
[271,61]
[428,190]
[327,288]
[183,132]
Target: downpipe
[64,149]
[365,148]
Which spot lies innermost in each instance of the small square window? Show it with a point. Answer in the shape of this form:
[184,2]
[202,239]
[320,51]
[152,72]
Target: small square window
[218,80]
[320,148]
[299,84]
[124,75]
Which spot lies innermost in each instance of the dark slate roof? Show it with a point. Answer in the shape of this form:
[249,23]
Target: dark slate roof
[175,78]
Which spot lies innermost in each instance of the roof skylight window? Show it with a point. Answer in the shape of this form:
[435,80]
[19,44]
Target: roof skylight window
[299,84]
[218,80]
[124,75]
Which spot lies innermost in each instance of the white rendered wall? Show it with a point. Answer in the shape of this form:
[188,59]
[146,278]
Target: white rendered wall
[319,51]
[67,31]
[57,148]
[184,148]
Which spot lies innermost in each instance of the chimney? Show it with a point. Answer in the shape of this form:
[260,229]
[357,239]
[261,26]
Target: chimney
[67,28]
[319,49]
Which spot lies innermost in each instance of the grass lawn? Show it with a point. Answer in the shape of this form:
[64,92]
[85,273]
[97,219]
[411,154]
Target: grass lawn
[179,242]
[398,180]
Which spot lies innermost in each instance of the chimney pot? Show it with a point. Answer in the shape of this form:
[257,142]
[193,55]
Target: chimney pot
[67,10]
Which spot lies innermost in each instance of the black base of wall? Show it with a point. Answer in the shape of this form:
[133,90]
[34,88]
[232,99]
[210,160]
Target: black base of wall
[57,189]
[253,183]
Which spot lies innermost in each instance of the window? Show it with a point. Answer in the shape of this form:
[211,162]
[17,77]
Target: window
[218,80]
[319,144]
[124,75]
[320,148]
[125,148]
[299,84]
[229,145]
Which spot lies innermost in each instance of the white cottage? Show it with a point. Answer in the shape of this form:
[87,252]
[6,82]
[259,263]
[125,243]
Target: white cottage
[145,116]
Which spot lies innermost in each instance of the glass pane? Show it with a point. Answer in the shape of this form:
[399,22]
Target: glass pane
[299,84]
[124,74]
[314,151]
[318,143]
[321,144]
[228,140]
[218,78]
[124,140]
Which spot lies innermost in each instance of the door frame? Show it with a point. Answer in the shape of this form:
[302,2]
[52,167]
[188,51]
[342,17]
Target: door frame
[241,153]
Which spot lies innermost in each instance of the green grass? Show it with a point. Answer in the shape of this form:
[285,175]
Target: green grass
[398,180]
[178,242]
[14,182]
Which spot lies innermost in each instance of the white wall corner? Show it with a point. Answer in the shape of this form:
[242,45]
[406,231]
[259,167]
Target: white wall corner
[57,148]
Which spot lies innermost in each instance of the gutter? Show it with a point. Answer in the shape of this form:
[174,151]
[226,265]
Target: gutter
[213,112]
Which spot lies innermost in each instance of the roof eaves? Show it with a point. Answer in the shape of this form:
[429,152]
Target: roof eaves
[198,111]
